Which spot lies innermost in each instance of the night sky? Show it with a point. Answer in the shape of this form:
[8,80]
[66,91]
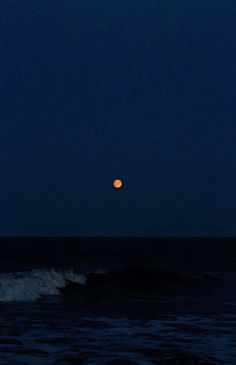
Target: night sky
[142,90]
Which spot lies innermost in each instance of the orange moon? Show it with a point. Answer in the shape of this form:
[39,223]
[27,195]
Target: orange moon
[117,183]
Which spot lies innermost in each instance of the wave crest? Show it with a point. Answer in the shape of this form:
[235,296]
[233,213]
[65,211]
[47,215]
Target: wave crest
[30,286]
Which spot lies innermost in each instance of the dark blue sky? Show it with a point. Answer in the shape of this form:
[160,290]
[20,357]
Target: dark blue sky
[140,89]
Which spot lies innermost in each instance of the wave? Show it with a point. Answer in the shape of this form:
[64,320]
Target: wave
[32,285]
[139,281]
[123,282]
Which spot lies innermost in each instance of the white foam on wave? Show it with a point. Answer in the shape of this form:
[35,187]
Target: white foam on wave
[30,286]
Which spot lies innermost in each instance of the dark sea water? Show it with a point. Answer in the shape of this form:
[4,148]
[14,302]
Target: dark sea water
[117,301]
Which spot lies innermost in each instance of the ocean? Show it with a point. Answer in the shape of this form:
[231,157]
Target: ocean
[117,301]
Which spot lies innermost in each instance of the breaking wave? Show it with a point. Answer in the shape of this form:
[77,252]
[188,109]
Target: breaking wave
[32,285]
[123,282]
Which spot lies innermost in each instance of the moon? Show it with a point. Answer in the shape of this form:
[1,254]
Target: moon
[117,183]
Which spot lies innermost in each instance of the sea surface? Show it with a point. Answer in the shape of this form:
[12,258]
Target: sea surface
[117,301]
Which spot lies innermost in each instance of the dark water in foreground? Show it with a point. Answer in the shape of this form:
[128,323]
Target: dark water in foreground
[118,301]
